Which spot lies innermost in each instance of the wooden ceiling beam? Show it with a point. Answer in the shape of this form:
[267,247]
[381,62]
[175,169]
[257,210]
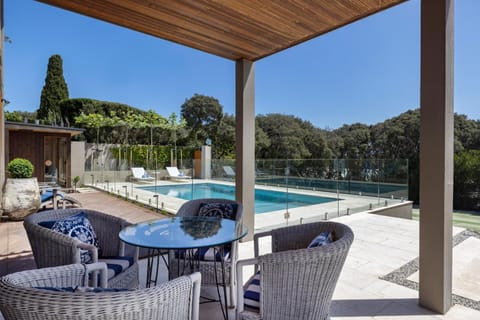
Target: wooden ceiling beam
[234,29]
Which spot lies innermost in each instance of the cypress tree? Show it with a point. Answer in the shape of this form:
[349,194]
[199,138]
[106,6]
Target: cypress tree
[54,91]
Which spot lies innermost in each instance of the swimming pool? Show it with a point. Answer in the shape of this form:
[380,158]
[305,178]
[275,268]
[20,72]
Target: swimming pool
[265,200]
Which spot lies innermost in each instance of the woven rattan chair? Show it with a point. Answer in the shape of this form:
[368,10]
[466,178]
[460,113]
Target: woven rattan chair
[296,282]
[51,248]
[207,268]
[22,299]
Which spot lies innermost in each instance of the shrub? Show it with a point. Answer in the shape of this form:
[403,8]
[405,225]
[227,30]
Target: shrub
[20,168]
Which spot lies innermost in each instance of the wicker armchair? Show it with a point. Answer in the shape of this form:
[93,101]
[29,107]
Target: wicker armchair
[51,248]
[296,282]
[21,299]
[207,268]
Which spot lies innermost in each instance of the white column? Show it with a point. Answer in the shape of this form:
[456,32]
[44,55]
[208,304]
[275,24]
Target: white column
[206,163]
[245,140]
[436,154]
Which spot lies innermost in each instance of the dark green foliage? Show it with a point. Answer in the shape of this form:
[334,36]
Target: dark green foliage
[20,116]
[138,156]
[54,91]
[356,141]
[72,108]
[20,168]
[399,138]
[203,115]
[467,180]
[290,138]
[224,140]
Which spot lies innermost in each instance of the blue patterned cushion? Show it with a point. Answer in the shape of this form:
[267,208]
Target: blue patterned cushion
[251,297]
[78,227]
[321,240]
[116,265]
[220,210]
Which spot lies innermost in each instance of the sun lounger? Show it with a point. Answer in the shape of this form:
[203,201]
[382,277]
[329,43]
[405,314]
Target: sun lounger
[50,196]
[229,172]
[174,174]
[139,174]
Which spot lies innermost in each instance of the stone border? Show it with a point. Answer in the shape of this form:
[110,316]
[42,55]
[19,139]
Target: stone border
[400,275]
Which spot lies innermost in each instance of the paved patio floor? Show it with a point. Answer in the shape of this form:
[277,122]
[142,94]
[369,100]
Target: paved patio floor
[384,248]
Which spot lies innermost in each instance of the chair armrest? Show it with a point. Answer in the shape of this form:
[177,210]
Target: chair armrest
[51,248]
[91,248]
[197,280]
[94,268]
[240,287]
[256,237]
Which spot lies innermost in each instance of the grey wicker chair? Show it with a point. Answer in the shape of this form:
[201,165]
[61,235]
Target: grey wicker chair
[51,248]
[296,282]
[21,299]
[207,268]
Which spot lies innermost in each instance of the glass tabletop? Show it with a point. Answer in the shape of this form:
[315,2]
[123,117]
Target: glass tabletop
[183,233]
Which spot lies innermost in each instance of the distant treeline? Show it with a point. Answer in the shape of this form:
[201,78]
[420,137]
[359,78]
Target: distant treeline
[281,136]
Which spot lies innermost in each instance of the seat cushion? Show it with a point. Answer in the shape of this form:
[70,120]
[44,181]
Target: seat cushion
[207,254]
[203,254]
[322,239]
[76,226]
[116,265]
[219,210]
[251,296]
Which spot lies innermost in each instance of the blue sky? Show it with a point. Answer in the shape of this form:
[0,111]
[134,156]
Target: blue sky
[365,72]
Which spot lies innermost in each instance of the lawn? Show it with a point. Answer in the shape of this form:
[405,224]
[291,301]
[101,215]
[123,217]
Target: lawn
[465,219]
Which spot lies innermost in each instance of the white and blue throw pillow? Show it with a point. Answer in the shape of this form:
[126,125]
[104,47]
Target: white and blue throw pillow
[78,227]
[251,297]
[217,209]
[322,239]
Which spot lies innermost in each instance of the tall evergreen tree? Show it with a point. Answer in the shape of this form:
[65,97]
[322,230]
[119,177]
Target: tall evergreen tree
[54,91]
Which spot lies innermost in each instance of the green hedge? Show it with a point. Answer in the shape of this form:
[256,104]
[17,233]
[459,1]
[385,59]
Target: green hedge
[20,168]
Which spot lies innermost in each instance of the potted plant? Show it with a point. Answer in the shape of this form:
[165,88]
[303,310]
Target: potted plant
[75,181]
[21,194]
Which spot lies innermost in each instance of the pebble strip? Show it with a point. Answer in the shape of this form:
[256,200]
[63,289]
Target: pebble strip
[400,275]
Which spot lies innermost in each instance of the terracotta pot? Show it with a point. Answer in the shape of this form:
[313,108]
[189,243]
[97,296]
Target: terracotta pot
[21,197]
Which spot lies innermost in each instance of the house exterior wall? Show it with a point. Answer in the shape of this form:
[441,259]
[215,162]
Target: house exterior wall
[30,145]
[78,160]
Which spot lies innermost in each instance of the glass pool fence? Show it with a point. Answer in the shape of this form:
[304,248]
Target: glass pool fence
[330,188]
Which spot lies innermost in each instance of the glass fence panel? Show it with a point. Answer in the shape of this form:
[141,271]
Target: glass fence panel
[293,189]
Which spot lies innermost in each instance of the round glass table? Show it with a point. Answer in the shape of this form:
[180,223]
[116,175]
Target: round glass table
[184,235]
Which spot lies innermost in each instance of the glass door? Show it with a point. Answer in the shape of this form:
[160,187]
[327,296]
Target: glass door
[55,160]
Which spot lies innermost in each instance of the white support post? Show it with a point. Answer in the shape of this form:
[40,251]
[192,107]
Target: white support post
[436,154]
[245,141]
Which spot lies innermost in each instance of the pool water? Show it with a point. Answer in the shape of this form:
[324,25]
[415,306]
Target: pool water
[265,200]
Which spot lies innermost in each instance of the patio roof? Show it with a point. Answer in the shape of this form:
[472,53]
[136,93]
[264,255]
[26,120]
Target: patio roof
[239,29]
[17,126]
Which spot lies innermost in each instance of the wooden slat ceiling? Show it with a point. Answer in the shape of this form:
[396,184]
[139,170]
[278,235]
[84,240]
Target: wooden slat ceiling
[233,29]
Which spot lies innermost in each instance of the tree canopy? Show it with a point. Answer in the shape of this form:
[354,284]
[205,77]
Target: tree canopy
[203,115]
[54,91]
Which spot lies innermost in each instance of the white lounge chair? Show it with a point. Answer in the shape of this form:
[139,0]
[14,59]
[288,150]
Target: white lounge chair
[229,172]
[139,174]
[174,174]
